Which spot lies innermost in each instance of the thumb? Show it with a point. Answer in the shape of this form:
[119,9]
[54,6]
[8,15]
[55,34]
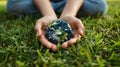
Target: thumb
[38,28]
[80,31]
[80,27]
[39,33]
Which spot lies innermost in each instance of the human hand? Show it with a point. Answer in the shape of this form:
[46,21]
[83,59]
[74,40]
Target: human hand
[77,30]
[40,31]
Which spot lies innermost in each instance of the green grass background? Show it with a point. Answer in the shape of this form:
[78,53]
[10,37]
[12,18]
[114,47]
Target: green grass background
[99,47]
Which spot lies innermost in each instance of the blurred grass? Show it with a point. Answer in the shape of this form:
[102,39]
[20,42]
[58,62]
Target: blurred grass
[99,47]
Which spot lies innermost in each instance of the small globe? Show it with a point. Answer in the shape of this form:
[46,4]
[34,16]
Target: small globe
[58,31]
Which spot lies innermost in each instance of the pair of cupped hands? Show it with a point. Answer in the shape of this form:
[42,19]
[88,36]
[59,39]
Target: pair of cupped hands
[75,23]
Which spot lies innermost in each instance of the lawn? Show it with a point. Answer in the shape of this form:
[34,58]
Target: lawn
[99,47]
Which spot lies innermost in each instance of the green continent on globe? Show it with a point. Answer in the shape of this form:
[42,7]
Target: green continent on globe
[58,31]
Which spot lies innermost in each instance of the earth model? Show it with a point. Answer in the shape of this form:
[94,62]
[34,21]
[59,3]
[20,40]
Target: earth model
[58,31]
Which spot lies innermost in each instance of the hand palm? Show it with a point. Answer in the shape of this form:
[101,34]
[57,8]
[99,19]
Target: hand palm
[77,30]
[40,32]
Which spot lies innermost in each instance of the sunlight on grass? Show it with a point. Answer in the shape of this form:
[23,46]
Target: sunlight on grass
[2,6]
[112,0]
[2,2]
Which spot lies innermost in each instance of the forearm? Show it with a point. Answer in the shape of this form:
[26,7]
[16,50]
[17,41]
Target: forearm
[71,7]
[45,7]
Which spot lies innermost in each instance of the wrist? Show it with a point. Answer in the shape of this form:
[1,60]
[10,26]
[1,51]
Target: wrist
[51,17]
[66,16]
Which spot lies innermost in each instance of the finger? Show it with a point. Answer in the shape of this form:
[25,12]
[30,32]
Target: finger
[54,48]
[64,45]
[80,26]
[47,44]
[38,26]
[38,34]
[71,41]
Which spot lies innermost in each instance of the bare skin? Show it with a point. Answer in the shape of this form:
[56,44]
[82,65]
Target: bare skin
[68,14]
